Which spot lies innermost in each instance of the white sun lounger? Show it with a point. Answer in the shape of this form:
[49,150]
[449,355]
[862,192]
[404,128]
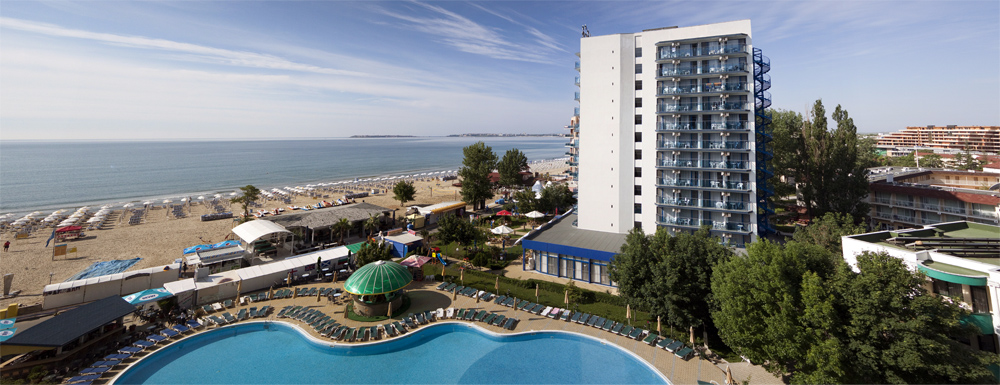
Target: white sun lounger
[450,313]
[546,311]
[439,313]
[217,306]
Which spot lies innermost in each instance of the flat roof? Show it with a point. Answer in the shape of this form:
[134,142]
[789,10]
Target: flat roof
[563,232]
[67,327]
[326,217]
[949,230]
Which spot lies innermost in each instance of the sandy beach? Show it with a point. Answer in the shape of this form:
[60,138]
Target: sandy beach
[160,239]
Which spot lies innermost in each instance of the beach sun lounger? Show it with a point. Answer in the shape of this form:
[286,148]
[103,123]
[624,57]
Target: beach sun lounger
[576,317]
[538,309]
[548,309]
[608,324]
[252,313]
[650,339]
[450,288]
[460,314]
[450,313]
[635,334]
[684,353]
[192,324]
[673,346]
[565,315]
[338,333]
[500,299]
[499,320]
[352,335]
[583,318]
[509,325]
[421,319]
[618,328]
[242,315]
[458,289]
[169,333]
[130,350]
[217,306]
[389,330]
[375,333]
[439,314]
[156,338]
[489,318]
[143,344]
[471,315]
[207,309]
[119,356]
[367,334]
[429,315]
[443,285]
[593,321]
[216,320]
[626,330]
[481,315]
[399,327]
[263,311]
[228,303]
[662,344]
[229,317]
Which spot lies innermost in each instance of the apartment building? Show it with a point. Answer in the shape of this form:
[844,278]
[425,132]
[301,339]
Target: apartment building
[917,197]
[948,139]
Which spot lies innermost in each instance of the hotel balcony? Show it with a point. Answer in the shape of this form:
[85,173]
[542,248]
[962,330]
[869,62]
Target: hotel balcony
[576,96]
[953,210]
[722,126]
[883,215]
[729,165]
[904,218]
[730,226]
[703,70]
[677,182]
[721,205]
[665,53]
[663,220]
[882,201]
[725,145]
[678,107]
[577,66]
[577,81]
[576,111]
[904,203]
[725,106]
[984,214]
[677,163]
[930,207]
[741,186]
[677,144]
[677,202]
[704,89]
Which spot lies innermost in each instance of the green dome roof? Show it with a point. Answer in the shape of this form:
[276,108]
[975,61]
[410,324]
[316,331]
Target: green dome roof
[378,277]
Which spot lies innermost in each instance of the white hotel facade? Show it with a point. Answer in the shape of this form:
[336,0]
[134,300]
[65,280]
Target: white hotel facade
[669,132]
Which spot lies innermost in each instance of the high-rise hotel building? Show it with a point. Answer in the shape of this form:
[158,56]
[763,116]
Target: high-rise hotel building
[672,132]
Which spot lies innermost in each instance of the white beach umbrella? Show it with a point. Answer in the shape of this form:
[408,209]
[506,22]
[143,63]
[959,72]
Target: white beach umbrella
[232,194]
[201,197]
[500,230]
[534,215]
[184,199]
[218,195]
[165,201]
[147,202]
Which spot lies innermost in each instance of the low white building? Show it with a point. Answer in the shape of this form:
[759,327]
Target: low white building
[961,261]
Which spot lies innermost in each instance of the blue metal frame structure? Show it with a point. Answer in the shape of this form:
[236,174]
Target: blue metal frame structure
[762,131]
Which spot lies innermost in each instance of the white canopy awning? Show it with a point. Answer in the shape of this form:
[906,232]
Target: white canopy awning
[251,231]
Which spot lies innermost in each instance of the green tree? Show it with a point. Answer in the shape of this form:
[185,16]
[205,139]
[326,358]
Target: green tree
[789,150]
[555,197]
[341,228]
[404,192]
[868,153]
[526,201]
[685,275]
[759,304]
[371,225]
[511,166]
[903,161]
[454,229]
[931,161]
[477,165]
[965,161]
[250,195]
[827,230]
[371,251]
[631,270]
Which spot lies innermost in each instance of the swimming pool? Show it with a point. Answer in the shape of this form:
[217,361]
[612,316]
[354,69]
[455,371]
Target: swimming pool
[444,353]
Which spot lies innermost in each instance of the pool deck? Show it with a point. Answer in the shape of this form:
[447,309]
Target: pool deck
[425,296]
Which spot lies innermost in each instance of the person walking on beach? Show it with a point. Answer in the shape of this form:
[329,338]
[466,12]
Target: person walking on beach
[6,246]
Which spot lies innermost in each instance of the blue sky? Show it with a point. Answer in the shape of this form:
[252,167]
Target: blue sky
[301,69]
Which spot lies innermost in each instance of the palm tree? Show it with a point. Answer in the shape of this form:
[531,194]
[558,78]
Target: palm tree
[342,227]
[371,225]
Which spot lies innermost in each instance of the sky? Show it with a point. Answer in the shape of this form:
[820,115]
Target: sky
[121,70]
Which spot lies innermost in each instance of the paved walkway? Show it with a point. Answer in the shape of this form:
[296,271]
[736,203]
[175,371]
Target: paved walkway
[424,296]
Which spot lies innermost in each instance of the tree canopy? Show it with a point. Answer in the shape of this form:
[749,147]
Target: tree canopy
[931,161]
[511,166]
[802,312]
[371,251]
[557,196]
[827,230]
[404,192]
[454,229]
[477,165]
[250,195]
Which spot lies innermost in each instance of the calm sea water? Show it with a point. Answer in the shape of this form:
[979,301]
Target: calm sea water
[438,354]
[47,176]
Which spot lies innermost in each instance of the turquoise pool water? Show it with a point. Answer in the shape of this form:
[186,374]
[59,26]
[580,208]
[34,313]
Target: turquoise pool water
[448,353]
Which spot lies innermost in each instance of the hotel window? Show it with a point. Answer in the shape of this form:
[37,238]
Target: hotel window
[638,119]
[638,207]
[553,263]
[638,191]
[638,154]
[948,289]
[638,52]
[638,85]
[638,137]
[638,172]
[638,68]
[638,102]
[980,299]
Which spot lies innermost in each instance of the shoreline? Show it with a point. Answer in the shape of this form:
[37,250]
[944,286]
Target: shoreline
[159,238]
[157,199]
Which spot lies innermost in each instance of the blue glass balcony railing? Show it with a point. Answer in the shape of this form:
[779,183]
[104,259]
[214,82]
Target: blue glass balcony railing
[678,107]
[689,52]
[730,226]
[678,144]
[664,126]
[731,165]
[725,106]
[676,201]
[721,205]
[677,182]
[677,163]
[576,111]
[724,145]
[731,126]
[576,96]
[703,70]
[680,90]
[577,66]
[744,186]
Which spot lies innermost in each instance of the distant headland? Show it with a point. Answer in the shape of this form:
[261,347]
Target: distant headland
[500,135]
[383,136]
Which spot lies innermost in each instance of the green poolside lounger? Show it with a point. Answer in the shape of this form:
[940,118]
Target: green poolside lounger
[635,334]
[499,320]
[509,325]
[671,347]
[576,317]
[375,333]
[600,322]
[443,285]
[608,324]
[481,315]
[228,303]
[354,335]
[451,287]
[489,318]
[421,319]
[429,315]
[583,318]
[626,331]
[684,353]
[618,328]
[536,309]
[524,304]
[389,330]
[593,320]
[510,302]
[229,317]
[313,292]
[461,314]
[365,334]
[664,342]
[458,290]
[566,314]
[252,313]
[281,314]
[650,339]
[340,333]
[409,323]
[263,311]
[207,309]
[500,299]
[242,315]
[470,291]
[328,329]
[399,327]
[320,321]
[216,320]
[469,315]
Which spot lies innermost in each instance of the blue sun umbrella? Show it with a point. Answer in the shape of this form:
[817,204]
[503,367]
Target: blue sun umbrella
[147,296]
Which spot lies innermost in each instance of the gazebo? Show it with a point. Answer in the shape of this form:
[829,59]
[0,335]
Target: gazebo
[377,287]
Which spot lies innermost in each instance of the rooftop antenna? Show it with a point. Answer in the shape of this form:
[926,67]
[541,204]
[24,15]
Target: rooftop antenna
[586,32]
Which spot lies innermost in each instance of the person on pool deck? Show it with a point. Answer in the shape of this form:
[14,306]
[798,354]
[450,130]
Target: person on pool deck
[6,246]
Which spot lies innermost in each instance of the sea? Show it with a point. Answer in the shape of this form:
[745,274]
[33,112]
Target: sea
[50,175]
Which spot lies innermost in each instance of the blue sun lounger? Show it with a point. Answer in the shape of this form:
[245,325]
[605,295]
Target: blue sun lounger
[584,318]
[576,317]
[229,317]
[608,324]
[170,333]
[399,327]
[565,315]
[156,338]
[252,313]
[118,357]
[143,344]
[194,324]
[263,311]
[130,350]
[86,378]
[227,303]
[181,328]
[241,315]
